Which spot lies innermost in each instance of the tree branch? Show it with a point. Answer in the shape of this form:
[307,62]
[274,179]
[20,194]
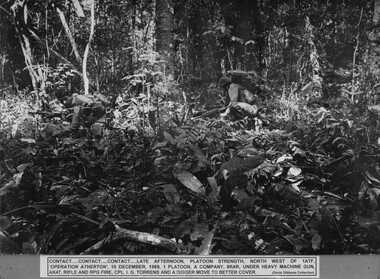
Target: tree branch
[42,44]
[70,36]
[142,237]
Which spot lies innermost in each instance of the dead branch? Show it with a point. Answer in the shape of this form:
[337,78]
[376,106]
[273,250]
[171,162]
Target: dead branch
[122,234]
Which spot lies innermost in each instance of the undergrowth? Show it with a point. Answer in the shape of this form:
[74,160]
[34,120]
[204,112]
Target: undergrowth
[305,183]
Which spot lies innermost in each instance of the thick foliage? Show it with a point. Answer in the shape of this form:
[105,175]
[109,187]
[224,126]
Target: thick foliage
[308,184]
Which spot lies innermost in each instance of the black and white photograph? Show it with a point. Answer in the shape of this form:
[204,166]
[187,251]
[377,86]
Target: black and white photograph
[190,138]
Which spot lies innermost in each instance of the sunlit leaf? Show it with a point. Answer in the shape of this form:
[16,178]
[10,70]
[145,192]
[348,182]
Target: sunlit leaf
[294,171]
[372,177]
[247,152]
[284,158]
[12,184]
[294,190]
[298,151]
[66,200]
[373,199]
[295,186]
[28,140]
[22,167]
[190,181]
[206,246]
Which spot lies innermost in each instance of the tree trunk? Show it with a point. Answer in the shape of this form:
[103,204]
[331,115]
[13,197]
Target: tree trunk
[85,78]
[375,38]
[131,51]
[78,8]
[316,68]
[261,40]
[52,51]
[164,34]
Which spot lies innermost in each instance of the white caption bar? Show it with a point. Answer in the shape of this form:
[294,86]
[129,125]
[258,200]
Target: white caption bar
[179,266]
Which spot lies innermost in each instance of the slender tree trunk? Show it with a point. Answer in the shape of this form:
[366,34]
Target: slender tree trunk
[78,8]
[261,38]
[164,34]
[53,52]
[314,58]
[85,56]
[131,52]
[375,45]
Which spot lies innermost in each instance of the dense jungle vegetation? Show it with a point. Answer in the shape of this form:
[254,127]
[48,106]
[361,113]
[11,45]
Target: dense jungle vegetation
[172,172]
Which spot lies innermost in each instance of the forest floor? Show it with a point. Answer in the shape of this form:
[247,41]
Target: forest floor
[293,180]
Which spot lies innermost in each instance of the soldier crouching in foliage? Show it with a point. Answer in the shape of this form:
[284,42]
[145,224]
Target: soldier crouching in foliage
[88,110]
[239,100]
